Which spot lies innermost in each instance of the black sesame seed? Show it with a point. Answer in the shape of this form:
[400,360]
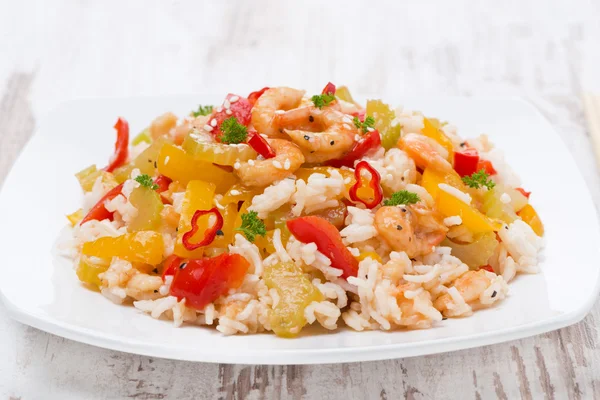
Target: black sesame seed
[445,318]
[311,118]
[399,227]
[155,165]
[155,270]
[403,209]
[306,137]
[149,160]
[182,266]
[312,152]
[506,227]
[413,259]
[332,142]
[177,229]
[220,233]
[463,144]
[155,291]
[494,294]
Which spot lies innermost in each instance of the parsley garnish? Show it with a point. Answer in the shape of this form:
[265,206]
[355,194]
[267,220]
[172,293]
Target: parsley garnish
[146,181]
[402,197]
[252,226]
[233,131]
[368,123]
[202,110]
[479,179]
[321,100]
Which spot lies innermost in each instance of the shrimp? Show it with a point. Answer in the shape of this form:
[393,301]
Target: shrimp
[261,173]
[322,134]
[269,107]
[470,285]
[414,229]
[425,151]
[144,287]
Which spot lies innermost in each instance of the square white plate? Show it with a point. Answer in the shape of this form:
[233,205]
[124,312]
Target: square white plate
[41,289]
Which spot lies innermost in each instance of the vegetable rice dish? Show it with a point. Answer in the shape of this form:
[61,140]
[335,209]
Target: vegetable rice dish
[278,210]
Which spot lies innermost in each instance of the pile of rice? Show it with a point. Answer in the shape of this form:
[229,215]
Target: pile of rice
[390,291]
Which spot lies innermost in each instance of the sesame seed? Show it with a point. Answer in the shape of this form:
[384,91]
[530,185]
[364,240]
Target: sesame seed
[346,126]
[235,192]
[226,104]
[494,294]
[219,109]
[213,122]
[370,129]
[167,158]
[251,162]
[237,165]
[228,112]
[208,128]
[277,164]
[306,137]
[347,120]
[279,112]
[332,142]
[233,99]
[287,164]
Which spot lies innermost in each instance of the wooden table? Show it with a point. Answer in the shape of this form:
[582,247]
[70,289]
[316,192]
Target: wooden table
[61,50]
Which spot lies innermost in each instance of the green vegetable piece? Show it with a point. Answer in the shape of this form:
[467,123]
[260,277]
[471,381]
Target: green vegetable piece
[384,116]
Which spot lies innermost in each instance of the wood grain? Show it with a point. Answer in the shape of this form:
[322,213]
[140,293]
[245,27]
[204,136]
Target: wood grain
[61,50]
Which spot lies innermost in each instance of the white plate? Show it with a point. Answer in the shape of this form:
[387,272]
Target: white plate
[41,290]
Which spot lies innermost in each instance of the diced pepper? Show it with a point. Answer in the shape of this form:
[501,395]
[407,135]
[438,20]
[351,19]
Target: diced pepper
[472,219]
[431,180]
[265,243]
[149,206]
[372,254]
[88,177]
[198,196]
[384,117]
[494,208]
[75,217]
[225,236]
[329,88]
[240,109]
[238,219]
[88,272]
[466,161]
[179,166]
[343,93]
[531,218]
[163,183]
[143,247]
[487,167]
[209,234]
[239,192]
[295,292]
[316,230]
[260,145]
[252,97]
[334,215]
[474,254]
[146,162]
[436,134]
[123,172]
[202,281]
[370,141]
[170,265]
[142,137]
[218,153]
[121,145]
[98,211]
[162,125]
[371,193]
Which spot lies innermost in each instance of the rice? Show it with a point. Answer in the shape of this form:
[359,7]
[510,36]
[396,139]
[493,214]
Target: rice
[522,244]
[319,192]
[452,221]
[462,196]
[359,226]
[273,197]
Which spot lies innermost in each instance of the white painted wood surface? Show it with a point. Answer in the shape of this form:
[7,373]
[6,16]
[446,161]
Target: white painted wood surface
[60,50]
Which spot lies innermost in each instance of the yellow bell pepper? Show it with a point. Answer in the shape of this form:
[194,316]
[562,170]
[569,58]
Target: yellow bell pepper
[88,176]
[265,244]
[147,161]
[123,173]
[431,180]
[144,247]
[218,153]
[75,217]
[343,93]
[371,254]
[198,196]
[531,218]
[229,214]
[239,192]
[142,137]
[149,206]
[472,219]
[238,219]
[176,164]
[87,272]
[436,134]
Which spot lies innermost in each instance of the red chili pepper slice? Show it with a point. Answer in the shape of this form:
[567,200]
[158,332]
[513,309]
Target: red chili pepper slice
[466,161]
[329,88]
[368,142]
[312,229]
[163,183]
[487,167]
[202,281]
[170,265]
[121,146]
[260,145]
[209,234]
[374,184]
[99,212]
[252,97]
[524,192]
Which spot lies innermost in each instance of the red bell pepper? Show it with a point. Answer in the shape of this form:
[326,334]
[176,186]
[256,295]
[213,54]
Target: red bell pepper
[487,166]
[524,192]
[209,234]
[121,146]
[252,97]
[487,268]
[241,109]
[163,183]
[202,281]
[99,212]
[260,145]
[170,265]
[466,161]
[374,183]
[329,89]
[312,229]
[370,141]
